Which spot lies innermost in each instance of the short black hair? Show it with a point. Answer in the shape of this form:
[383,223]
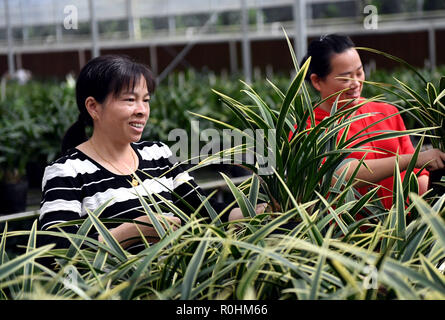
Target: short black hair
[321,50]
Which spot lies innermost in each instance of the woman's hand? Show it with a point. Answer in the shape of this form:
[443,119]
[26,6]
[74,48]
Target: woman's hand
[236,213]
[433,159]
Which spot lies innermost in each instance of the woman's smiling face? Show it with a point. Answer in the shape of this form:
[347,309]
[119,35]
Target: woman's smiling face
[343,65]
[123,117]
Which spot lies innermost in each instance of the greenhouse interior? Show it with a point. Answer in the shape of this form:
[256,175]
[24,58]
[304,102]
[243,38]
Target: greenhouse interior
[303,185]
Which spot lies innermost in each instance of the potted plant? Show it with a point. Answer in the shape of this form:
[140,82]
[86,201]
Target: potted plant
[19,135]
[13,182]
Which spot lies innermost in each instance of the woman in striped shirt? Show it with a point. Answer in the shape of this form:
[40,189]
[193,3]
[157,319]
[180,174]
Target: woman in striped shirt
[113,96]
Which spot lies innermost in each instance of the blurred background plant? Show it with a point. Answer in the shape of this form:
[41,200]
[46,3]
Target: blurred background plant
[34,117]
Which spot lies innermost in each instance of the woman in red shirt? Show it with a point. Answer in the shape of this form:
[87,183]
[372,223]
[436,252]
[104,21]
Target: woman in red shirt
[336,65]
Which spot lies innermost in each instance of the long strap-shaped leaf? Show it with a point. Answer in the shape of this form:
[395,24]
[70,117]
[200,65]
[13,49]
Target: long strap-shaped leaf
[271,226]
[3,253]
[399,284]
[84,230]
[307,98]
[150,254]
[401,61]
[193,269]
[439,96]
[213,214]
[413,94]
[290,96]
[29,267]
[399,203]
[313,230]
[391,266]
[246,283]
[414,242]
[108,238]
[431,217]
[14,288]
[13,265]
[254,190]
[334,213]
[313,294]
[432,272]
[265,111]
[85,259]
[154,220]
[100,259]
[178,212]
[246,207]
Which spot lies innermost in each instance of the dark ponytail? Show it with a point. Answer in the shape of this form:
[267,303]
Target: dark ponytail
[101,76]
[75,135]
[321,52]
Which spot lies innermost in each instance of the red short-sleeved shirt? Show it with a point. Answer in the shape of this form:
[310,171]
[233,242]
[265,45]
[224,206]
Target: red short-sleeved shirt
[400,145]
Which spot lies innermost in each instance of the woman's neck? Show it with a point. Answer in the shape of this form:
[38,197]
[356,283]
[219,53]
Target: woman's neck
[110,149]
[326,106]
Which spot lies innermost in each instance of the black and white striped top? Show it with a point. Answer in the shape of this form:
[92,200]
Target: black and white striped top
[75,182]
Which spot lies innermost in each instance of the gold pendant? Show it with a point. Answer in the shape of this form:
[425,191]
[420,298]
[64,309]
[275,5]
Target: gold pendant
[134,182]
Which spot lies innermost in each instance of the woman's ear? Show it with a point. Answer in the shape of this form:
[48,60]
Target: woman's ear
[315,80]
[92,107]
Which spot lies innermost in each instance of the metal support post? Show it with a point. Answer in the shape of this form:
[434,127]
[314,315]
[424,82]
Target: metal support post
[131,31]
[58,26]
[153,60]
[95,52]
[11,65]
[18,60]
[300,32]
[260,19]
[419,5]
[233,57]
[432,46]
[81,55]
[171,25]
[247,58]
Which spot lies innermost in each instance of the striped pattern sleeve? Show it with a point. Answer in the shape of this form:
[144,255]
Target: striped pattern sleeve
[62,196]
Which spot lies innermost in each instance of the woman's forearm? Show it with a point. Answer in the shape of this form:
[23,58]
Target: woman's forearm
[128,233]
[375,170]
[378,169]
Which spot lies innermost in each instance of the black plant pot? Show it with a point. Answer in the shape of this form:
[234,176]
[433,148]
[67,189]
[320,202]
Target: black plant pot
[13,197]
[435,178]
